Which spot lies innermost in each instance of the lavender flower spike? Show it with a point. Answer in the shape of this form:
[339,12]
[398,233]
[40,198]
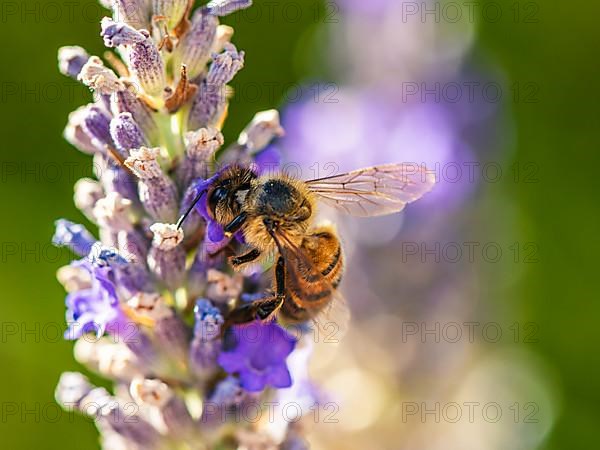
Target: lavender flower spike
[143,58]
[159,296]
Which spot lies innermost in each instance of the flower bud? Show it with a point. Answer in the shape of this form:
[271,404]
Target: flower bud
[225,65]
[197,276]
[211,99]
[166,258]
[156,394]
[201,145]
[195,48]
[75,132]
[169,330]
[126,134]
[223,37]
[87,193]
[157,192]
[208,106]
[261,130]
[227,394]
[200,148]
[132,12]
[96,123]
[98,77]
[71,60]
[111,359]
[173,10]
[206,343]
[74,236]
[72,389]
[126,101]
[106,409]
[222,287]
[225,7]
[143,58]
[113,211]
[74,278]
[114,178]
[144,164]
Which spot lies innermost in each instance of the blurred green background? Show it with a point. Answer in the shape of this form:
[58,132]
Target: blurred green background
[560,213]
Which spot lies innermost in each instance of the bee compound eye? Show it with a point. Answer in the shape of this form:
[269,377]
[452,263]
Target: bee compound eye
[218,195]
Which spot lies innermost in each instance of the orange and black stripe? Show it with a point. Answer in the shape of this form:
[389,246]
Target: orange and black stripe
[309,290]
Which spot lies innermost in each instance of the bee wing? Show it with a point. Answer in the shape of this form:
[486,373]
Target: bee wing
[374,191]
[333,319]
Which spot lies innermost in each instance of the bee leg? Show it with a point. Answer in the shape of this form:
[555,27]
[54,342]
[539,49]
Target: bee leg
[261,309]
[258,310]
[252,255]
[241,315]
[237,223]
[267,308]
[270,306]
[280,277]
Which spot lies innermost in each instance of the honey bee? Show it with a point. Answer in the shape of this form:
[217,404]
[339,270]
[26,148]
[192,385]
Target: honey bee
[275,214]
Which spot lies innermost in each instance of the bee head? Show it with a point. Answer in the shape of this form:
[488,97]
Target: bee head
[226,196]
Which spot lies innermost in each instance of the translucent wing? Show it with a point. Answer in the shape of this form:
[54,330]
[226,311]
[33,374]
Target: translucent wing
[374,191]
[333,319]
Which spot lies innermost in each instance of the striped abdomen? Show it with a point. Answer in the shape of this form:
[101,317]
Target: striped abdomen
[310,289]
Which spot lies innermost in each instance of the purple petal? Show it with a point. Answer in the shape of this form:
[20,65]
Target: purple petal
[268,160]
[252,382]
[231,362]
[215,231]
[279,377]
[74,236]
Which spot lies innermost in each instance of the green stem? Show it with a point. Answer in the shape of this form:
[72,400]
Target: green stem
[172,141]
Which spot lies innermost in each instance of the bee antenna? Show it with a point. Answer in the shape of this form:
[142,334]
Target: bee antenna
[191,208]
